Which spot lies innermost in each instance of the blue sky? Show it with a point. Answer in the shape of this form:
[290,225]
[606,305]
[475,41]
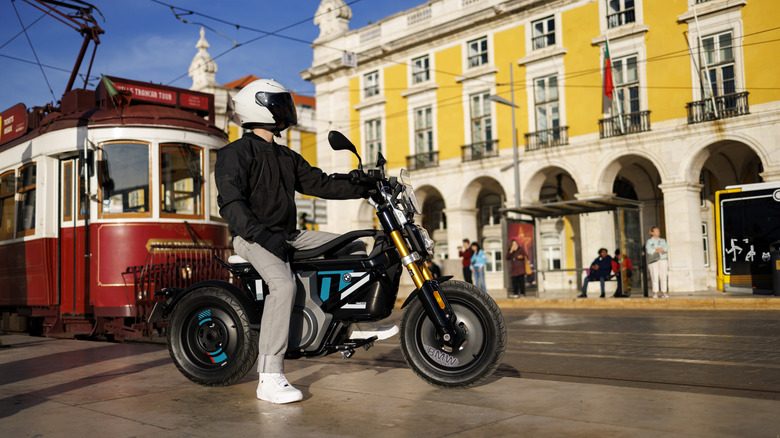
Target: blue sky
[144,41]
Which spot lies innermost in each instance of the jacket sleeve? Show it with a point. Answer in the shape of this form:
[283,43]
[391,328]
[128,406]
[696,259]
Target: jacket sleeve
[313,181]
[232,179]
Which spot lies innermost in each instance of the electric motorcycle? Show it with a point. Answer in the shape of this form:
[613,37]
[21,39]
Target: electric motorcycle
[452,334]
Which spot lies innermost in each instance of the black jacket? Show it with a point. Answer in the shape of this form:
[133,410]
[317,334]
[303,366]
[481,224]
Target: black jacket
[257,181]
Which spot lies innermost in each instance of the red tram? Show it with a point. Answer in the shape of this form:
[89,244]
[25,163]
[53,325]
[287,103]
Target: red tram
[90,192]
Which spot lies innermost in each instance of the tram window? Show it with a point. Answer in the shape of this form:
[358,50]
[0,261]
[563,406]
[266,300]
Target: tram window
[7,192]
[181,180]
[125,182]
[213,206]
[25,224]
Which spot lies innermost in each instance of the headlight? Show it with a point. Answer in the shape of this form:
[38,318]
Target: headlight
[408,197]
[426,240]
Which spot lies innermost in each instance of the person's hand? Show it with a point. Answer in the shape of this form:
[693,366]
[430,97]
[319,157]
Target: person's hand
[278,246]
[594,267]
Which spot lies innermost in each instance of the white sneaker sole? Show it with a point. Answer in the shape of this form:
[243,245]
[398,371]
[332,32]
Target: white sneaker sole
[280,400]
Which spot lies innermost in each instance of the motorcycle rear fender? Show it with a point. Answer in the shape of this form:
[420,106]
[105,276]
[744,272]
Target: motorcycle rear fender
[162,309]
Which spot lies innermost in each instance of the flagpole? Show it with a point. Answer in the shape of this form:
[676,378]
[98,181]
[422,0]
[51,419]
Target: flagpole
[612,76]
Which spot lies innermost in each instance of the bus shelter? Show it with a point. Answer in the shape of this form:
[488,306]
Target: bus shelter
[581,227]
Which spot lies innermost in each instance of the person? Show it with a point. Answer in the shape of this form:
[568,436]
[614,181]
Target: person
[622,266]
[465,253]
[657,263]
[256,180]
[433,268]
[600,270]
[478,262]
[517,262]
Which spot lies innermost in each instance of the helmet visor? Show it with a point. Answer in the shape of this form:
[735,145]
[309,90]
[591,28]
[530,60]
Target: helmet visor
[281,106]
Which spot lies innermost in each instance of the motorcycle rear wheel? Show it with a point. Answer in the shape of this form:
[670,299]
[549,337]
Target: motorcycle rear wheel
[209,338]
[478,315]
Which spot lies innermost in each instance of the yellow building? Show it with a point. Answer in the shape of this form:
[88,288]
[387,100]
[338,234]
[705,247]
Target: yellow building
[694,108]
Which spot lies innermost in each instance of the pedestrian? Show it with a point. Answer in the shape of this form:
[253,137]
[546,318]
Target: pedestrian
[465,253]
[518,260]
[600,270]
[256,179]
[478,262]
[622,266]
[657,263]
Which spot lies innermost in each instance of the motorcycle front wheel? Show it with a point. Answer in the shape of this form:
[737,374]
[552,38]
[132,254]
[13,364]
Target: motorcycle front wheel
[209,338]
[478,315]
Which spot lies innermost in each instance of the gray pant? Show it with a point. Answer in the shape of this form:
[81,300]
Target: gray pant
[275,325]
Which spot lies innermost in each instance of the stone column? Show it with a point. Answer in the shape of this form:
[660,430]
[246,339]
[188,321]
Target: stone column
[460,223]
[682,232]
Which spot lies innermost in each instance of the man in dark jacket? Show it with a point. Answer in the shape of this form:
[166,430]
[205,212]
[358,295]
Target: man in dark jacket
[257,180]
[600,270]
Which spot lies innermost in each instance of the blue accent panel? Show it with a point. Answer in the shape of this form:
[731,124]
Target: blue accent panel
[342,284]
[201,322]
[204,314]
[325,289]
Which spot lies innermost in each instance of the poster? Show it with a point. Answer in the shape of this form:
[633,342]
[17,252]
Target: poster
[523,232]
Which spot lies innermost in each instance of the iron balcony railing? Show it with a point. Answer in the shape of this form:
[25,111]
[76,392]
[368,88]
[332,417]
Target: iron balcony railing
[621,17]
[729,105]
[423,160]
[480,150]
[548,138]
[632,123]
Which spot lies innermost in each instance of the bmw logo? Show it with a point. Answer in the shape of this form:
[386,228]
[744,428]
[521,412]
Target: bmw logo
[776,195]
[347,278]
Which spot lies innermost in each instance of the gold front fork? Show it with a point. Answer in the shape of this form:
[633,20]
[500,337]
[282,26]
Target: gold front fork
[420,273]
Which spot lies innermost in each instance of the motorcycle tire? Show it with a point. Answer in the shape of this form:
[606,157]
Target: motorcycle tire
[478,315]
[209,338]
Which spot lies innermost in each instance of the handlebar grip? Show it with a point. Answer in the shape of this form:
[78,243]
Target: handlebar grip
[341,176]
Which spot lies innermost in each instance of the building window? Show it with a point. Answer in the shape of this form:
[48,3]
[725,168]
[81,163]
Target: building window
[371,84]
[546,97]
[620,12]
[626,79]
[7,193]
[481,120]
[493,253]
[478,52]
[705,243]
[421,69]
[25,215]
[543,33]
[550,251]
[489,207]
[718,65]
[125,186]
[181,180]
[423,130]
[373,140]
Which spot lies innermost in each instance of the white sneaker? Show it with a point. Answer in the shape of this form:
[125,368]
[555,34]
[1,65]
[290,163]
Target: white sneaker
[366,330]
[275,388]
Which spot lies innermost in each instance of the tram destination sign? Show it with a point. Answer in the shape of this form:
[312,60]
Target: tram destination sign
[164,95]
[13,123]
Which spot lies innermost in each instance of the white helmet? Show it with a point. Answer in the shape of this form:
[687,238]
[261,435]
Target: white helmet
[265,104]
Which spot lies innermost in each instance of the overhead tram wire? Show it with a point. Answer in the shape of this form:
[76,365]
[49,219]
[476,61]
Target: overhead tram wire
[22,31]
[267,34]
[38,61]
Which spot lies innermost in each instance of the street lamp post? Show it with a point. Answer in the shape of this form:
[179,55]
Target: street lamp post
[501,100]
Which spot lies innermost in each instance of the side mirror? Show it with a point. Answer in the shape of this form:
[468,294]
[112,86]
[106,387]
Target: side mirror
[338,142]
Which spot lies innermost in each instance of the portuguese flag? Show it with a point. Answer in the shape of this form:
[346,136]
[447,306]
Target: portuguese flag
[608,84]
[118,97]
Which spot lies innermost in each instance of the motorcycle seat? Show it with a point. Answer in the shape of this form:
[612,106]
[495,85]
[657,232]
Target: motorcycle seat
[327,249]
